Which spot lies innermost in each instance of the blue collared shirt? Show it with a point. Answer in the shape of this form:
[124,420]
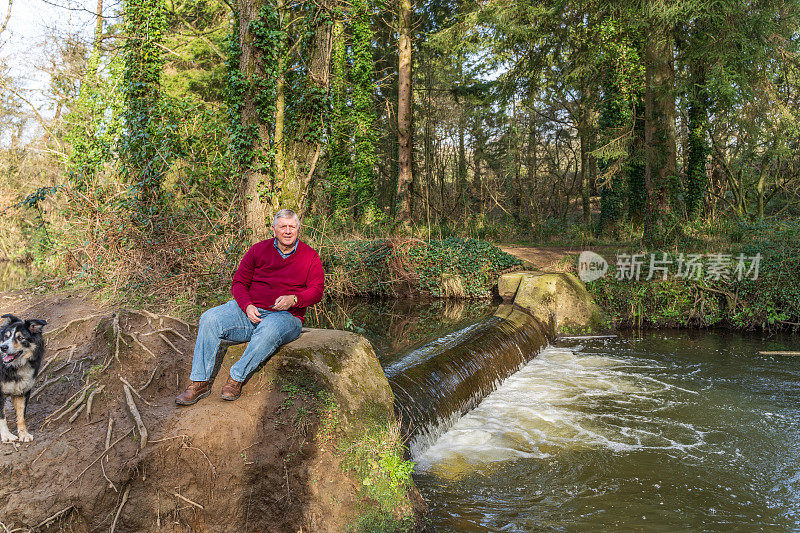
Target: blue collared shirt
[283,255]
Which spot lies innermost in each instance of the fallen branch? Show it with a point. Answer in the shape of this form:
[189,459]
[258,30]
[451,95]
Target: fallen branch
[119,509]
[187,500]
[136,417]
[779,353]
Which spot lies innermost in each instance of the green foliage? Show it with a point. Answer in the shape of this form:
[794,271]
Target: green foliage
[143,159]
[197,30]
[769,302]
[376,459]
[350,181]
[449,267]
[93,126]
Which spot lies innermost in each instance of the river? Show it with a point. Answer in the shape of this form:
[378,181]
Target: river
[658,431]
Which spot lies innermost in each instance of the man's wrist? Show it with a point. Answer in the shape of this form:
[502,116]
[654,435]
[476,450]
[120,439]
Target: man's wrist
[295,299]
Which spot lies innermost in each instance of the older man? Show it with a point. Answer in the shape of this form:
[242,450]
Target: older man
[275,282]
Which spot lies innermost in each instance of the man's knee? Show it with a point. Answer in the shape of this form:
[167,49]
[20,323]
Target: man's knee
[209,319]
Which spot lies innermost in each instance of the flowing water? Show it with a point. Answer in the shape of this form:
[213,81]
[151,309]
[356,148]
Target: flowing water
[662,432]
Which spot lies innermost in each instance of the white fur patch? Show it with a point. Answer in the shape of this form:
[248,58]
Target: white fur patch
[21,385]
[5,433]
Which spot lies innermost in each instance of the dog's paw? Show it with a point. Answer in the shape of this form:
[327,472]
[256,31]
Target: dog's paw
[24,436]
[9,437]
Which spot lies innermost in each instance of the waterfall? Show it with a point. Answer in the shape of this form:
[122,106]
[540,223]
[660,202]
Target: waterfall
[439,382]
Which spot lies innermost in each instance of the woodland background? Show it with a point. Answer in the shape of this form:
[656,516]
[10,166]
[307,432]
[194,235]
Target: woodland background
[175,131]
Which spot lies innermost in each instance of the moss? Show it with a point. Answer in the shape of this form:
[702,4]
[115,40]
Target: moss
[372,451]
[333,359]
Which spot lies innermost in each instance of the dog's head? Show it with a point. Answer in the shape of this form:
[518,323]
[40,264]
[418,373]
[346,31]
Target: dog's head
[19,339]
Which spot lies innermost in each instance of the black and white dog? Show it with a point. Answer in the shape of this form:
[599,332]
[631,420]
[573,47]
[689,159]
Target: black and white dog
[21,348]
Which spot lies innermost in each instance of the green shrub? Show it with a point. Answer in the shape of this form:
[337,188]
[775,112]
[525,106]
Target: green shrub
[770,301]
[392,267]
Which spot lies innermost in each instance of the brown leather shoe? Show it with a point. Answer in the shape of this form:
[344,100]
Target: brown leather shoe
[196,390]
[231,390]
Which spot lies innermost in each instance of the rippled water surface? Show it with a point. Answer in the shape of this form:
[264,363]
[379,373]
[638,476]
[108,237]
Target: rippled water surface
[662,432]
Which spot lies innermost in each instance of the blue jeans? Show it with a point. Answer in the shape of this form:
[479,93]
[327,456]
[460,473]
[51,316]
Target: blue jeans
[228,322]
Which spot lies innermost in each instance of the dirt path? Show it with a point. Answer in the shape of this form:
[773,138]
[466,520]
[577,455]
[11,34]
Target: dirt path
[554,258]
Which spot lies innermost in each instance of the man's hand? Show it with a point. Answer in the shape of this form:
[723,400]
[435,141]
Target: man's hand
[253,314]
[282,303]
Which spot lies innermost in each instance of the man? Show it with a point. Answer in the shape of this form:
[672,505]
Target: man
[275,282]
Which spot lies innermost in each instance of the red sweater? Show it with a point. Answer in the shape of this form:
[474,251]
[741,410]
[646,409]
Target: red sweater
[263,275]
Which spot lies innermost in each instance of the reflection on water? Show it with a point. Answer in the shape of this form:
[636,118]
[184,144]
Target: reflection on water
[658,433]
[394,326]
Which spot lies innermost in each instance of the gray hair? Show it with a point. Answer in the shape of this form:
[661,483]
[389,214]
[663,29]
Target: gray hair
[285,213]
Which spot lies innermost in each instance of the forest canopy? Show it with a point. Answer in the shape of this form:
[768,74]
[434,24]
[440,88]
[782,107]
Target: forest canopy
[163,141]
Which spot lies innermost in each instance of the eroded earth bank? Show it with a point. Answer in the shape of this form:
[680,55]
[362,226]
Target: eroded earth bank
[311,445]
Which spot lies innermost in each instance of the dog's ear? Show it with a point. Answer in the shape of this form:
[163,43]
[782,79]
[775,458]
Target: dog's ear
[35,325]
[8,319]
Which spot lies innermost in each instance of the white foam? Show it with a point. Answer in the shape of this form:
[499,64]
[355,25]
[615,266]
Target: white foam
[561,400]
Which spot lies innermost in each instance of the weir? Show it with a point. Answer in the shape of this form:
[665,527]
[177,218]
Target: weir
[438,383]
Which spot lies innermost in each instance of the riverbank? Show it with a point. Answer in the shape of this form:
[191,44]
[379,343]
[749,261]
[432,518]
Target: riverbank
[300,449]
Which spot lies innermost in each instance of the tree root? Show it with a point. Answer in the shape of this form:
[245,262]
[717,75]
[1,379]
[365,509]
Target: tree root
[125,382]
[149,380]
[190,502]
[165,339]
[89,401]
[99,457]
[43,385]
[136,417]
[119,509]
[68,324]
[166,330]
[67,406]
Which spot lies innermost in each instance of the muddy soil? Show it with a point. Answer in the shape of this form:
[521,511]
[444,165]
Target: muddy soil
[256,464]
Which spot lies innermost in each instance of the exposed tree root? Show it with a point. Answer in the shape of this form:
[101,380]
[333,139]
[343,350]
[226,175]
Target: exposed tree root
[187,500]
[119,509]
[136,417]
[149,380]
[90,399]
[125,381]
[99,457]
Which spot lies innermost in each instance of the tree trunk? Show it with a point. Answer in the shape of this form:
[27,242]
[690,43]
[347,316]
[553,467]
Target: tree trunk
[660,138]
[98,29]
[697,145]
[405,179]
[254,179]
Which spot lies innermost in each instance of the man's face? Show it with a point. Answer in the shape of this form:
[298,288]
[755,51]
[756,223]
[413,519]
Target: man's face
[286,231]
